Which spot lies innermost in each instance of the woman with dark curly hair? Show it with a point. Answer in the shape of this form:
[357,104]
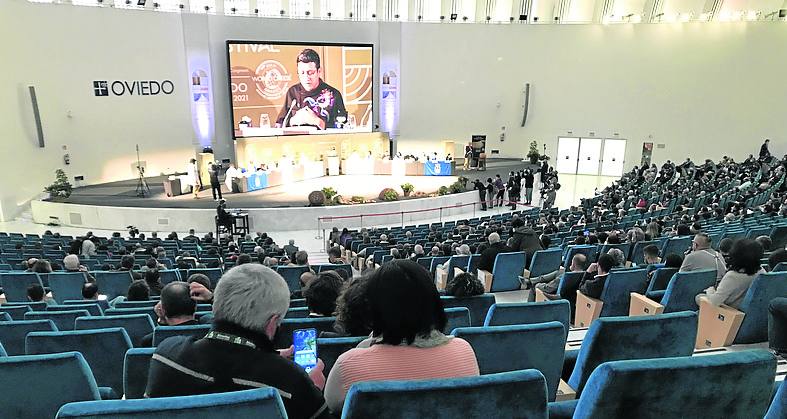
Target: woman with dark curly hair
[352,312]
[744,266]
[407,343]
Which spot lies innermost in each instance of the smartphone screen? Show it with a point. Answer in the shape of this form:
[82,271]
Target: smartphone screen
[305,348]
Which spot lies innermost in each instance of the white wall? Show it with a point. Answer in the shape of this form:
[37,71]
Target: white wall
[701,89]
[61,50]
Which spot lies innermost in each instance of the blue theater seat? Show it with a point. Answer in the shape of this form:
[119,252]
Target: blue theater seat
[35,386]
[516,394]
[247,404]
[104,350]
[728,385]
[510,348]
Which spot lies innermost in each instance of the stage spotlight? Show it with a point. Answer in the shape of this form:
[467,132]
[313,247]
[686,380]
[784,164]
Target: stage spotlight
[420,17]
[464,18]
[233,10]
[308,13]
[155,5]
[535,19]
[782,13]
[128,2]
[181,6]
[396,16]
[281,12]
[511,19]
[522,17]
[453,16]
[329,14]
[141,2]
[442,18]
[374,16]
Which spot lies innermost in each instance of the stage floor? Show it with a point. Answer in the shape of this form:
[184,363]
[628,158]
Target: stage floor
[123,193]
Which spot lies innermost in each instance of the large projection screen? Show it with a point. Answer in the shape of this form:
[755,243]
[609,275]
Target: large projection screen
[285,88]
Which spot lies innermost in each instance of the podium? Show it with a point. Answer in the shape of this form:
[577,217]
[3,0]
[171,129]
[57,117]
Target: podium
[333,166]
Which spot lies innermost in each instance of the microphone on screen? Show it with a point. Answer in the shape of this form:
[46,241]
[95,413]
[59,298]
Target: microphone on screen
[289,111]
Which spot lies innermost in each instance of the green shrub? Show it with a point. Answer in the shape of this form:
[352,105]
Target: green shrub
[329,193]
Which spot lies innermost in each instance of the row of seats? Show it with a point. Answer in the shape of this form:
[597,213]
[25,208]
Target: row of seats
[658,347]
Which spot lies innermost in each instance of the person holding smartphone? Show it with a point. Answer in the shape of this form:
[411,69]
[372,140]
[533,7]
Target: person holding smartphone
[249,303]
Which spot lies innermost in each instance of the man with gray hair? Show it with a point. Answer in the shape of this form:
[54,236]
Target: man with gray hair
[463,250]
[249,303]
[487,260]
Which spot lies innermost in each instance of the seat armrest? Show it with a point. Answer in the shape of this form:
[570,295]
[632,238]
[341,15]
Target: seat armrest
[641,305]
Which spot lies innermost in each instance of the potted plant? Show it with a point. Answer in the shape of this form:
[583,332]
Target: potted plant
[61,188]
[407,188]
[533,154]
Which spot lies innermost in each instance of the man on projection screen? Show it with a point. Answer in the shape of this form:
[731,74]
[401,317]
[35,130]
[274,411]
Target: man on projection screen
[312,102]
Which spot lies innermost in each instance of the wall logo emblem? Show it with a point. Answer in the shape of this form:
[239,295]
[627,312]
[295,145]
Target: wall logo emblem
[100,88]
[199,85]
[271,79]
[133,87]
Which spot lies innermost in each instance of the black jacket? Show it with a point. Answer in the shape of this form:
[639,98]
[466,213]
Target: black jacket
[592,285]
[487,260]
[147,340]
[215,366]
[525,239]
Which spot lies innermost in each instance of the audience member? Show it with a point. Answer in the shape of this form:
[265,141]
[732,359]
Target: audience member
[35,293]
[335,255]
[464,284]
[777,257]
[290,249]
[200,288]
[238,353]
[321,294]
[487,259]
[153,279]
[127,265]
[407,342]
[243,258]
[744,267]
[592,284]
[703,257]
[579,263]
[176,308]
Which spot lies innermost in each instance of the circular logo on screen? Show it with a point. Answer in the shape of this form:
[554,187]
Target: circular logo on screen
[272,79]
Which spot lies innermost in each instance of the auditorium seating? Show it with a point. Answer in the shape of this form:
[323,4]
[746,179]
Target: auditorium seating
[162,332]
[292,274]
[66,285]
[13,333]
[778,409]
[93,309]
[682,290]
[544,262]
[516,394]
[506,271]
[135,325]
[729,385]
[246,404]
[15,312]
[658,282]
[528,313]
[36,386]
[615,297]
[136,365]
[478,306]
[297,313]
[15,285]
[64,320]
[457,317]
[150,311]
[329,349]
[113,284]
[104,350]
[509,348]
[659,336]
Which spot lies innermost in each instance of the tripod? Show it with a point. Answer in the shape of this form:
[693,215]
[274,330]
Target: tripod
[142,184]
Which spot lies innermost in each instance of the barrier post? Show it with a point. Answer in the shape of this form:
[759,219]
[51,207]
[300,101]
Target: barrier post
[402,214]
[318,228]
[324,242]
[361,220]
[441,214]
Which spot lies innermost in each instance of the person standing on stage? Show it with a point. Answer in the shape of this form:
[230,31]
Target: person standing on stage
[468,156]
[192,173]
[215,184]
[544,171]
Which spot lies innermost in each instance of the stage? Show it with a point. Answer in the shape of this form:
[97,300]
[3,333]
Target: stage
[123,193]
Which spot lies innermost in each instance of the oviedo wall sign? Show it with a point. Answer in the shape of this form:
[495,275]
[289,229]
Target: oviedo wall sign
[132,87]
